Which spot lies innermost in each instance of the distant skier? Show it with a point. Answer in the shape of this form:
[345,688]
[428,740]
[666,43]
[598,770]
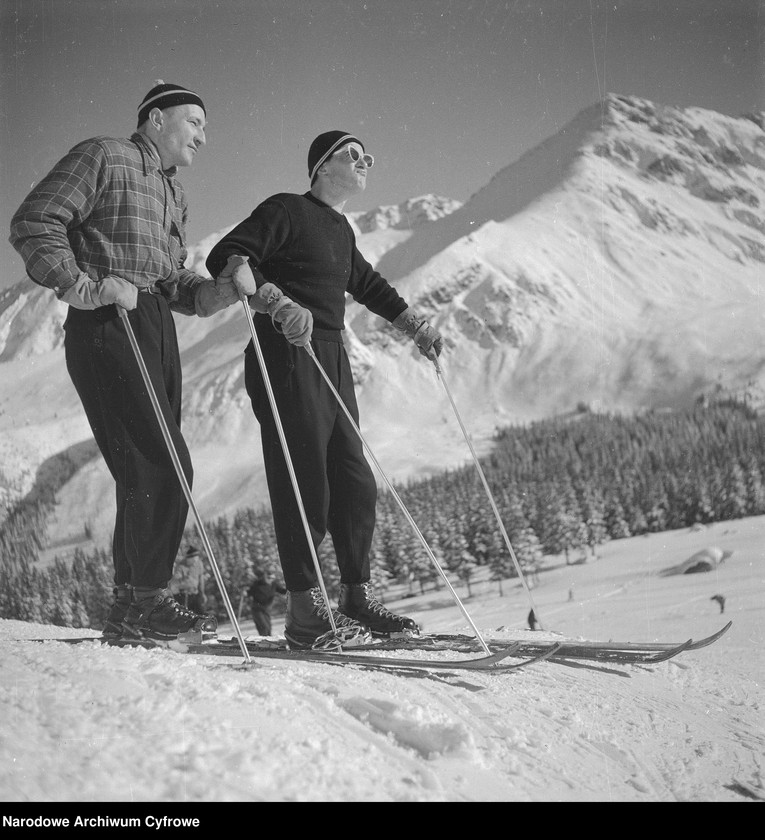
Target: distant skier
[262,592]
[720,600]
[532,620]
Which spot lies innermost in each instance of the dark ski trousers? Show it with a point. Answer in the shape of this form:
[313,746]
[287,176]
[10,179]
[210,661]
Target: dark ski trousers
[261,615]
[151,506]
[337,486]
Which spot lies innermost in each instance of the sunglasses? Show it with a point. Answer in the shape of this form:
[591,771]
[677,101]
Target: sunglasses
[355,155]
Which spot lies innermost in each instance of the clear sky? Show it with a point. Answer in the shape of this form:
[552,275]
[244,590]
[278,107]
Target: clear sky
[444,93]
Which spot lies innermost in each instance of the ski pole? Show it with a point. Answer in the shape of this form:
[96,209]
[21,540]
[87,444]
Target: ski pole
[287,458]
[400,503]
[439,372]
[182,478]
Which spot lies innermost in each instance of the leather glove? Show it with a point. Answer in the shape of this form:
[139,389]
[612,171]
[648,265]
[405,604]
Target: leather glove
[238,269]
[295,322]
[92,294]
[211,296]
[428,339]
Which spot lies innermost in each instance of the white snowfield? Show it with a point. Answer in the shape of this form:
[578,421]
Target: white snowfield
[87,723]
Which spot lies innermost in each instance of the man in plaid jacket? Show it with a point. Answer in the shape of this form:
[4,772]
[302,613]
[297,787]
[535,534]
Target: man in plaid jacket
[106,228]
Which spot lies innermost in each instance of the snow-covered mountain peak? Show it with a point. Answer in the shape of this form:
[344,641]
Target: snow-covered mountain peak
[712,156]
[619,263]
[407,215]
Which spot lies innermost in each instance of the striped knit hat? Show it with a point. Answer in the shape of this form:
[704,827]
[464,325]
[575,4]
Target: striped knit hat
[324,146]
[165,96]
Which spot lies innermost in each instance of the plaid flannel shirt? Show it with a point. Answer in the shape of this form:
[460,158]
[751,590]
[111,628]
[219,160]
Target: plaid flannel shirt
[107,207]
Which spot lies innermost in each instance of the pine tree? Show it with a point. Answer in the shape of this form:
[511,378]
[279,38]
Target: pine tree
[615,521]
[592,509]
[735,495]
[755,488]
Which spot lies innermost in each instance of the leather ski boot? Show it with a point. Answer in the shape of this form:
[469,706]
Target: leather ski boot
[307,624]
[358,601]
[162,617]
[123,597]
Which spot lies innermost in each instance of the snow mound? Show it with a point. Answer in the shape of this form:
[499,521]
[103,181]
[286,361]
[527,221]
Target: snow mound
[705,560]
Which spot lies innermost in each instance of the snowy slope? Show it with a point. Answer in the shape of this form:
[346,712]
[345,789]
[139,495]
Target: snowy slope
[619,264]
[89,724]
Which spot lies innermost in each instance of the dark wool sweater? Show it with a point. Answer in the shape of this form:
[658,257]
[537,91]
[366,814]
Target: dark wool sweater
[309,251]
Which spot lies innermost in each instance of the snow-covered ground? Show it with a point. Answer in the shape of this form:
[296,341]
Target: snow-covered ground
[91,724]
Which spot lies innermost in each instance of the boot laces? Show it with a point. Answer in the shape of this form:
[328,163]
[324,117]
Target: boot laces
[373,605]
[319,603]
[341,621]
[184,612]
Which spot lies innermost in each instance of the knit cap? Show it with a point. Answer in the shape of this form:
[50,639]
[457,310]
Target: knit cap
[325,145]
[164,95]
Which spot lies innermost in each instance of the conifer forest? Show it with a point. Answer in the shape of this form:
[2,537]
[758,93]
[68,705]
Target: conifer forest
[562,487]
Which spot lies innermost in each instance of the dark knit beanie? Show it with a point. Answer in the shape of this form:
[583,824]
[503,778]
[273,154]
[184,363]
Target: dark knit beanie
[165,96]
[324,146]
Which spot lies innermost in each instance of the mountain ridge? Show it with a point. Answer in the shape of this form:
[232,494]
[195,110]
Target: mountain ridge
[617,264]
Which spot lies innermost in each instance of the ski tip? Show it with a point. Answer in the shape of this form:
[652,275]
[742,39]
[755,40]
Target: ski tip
[695,645]
[722,631]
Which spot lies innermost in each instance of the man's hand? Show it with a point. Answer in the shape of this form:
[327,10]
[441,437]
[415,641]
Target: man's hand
[428,339]
[295,322]
[214,295]
[114,289]
[238,269]
[91,294]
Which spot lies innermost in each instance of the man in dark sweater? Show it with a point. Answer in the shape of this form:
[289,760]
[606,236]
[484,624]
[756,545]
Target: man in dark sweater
[302,254]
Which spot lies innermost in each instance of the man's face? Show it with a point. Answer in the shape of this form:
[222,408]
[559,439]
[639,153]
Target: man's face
[344,172]
[180,134]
